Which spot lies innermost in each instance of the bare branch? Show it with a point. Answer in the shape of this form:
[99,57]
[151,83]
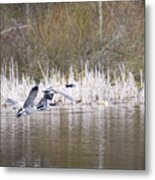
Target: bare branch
[5,31]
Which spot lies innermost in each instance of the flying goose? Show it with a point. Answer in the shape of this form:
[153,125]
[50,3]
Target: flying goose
[43,103]
[61,93]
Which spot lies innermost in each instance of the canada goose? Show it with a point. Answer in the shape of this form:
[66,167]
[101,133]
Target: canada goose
[43,103]
[48,96]
[61,93]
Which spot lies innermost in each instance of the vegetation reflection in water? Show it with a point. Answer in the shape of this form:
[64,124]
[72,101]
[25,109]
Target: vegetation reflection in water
[81,137]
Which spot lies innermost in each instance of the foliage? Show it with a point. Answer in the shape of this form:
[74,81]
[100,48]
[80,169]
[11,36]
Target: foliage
[61,34]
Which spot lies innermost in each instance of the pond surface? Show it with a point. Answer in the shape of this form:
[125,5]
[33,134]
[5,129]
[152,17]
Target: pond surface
[75,137]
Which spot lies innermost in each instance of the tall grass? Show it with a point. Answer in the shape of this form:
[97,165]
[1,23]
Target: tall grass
[93,86]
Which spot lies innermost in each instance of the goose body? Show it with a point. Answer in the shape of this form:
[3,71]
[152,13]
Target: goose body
[43,103]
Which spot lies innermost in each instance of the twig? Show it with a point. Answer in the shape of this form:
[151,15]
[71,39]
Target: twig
[41,69]
[15,28]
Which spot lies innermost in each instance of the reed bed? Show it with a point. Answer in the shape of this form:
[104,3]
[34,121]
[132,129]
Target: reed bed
[92,86]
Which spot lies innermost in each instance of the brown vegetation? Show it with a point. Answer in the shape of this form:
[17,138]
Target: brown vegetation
[60,34]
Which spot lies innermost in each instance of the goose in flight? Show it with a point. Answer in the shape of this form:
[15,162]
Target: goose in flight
[48,96]
[55,91]
[28,106]
[43,103]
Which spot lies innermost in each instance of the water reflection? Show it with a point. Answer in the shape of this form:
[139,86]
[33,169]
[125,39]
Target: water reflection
[81,137]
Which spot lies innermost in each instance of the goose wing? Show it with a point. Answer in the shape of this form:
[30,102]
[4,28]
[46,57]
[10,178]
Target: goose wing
[31,97]
[42,104]
[11,102]
[63,94]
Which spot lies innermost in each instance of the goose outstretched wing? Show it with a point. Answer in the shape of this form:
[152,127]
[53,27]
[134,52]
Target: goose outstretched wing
[42,105]
[31,97]
[11,102]
[63,94]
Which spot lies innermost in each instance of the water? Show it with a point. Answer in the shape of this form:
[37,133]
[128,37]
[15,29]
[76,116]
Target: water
[68,137]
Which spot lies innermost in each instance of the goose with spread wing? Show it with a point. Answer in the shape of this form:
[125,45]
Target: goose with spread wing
[48,96]
[55,91]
